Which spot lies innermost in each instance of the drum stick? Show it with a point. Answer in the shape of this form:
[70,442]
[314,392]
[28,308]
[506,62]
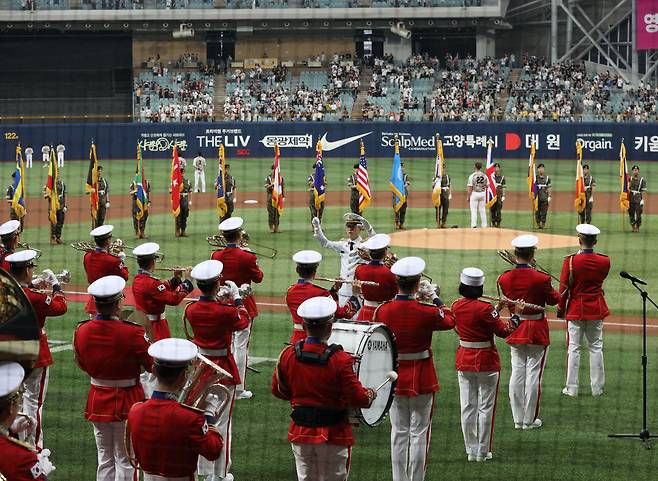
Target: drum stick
[391,376]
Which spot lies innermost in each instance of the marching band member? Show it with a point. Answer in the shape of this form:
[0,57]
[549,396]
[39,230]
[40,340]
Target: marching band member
[307,266]
[213,323]
[413,324]
[240,267]
[100,263]
[113,353]
[9,234]
[529,343]
[21,266]
[477,362]
[19,461]
[320,383]
[168,437]
[152,295]
[375,271]
[584,308]
[346,248]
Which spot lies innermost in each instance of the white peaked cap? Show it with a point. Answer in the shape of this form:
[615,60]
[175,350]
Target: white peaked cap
[524,241]
[307,257]
[173,351]
[408,267]
[102,230]
[587,229]
[22,257]
[146,249]
[11,378]
[378,241]
[9,227]
[472,276]
[232,223]
[207,271]
[107,288]
[317,308]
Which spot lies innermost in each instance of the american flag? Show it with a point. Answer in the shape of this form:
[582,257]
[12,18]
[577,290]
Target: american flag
[362,182]
[492,195]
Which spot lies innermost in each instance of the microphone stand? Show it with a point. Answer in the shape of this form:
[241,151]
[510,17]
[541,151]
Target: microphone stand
[644,435]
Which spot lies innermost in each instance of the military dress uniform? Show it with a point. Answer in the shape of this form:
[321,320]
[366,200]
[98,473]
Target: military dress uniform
[543,196]
[584,308]
[637,187]
[442,210]
[213,324]
[413,324]
[56,228]
[586,214]
[354,194]
[320,383]
[272,212]
[181,219]
[373,296]
[478,367]
[9,231]
[103,201]
[401,214]
[229,195]
[10,198]
[497,207]
[113,353]
[529,343]
[168,437]
[140,225]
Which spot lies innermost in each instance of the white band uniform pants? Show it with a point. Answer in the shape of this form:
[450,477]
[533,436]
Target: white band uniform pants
[222,465]
[478,393]
[321,462]
[478,204]
[113,462]
[240,350]
[199,178]
[36,387]
[528,362]
[28,163]
[593,331]
[411,429]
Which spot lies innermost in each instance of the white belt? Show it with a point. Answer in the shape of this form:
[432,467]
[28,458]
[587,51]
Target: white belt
[371,303]
[531,317]
[155,317]
[476,345]
[101,191]
[636,191]
[113,382]
[156,477]
[213,352]
[298,327]
[414,356]
[445,188]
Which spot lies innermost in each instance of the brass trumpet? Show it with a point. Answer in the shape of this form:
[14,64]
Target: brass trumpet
[220,243]
[517,302]
[41,281]
[510,258]
[244,290]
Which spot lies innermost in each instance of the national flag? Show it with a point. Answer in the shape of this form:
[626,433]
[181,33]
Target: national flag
[533,190]
[278,196]
[222,208]
[319,183]
[362,181]
[396,182]
[91,187]
[51,187]
[141,195]
[18,200]
[438,173]
[624,179]
[176,183]
[491,194]
[581,201]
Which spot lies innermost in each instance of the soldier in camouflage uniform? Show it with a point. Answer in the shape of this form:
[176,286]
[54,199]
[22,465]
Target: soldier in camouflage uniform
[590,184]
[185,203]
[637,186]
[103,198]
[543,197]
[56,228]
[140,225]
[354,192]
[501,186]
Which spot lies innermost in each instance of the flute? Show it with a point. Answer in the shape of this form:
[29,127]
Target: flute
[355,282]
[519,302]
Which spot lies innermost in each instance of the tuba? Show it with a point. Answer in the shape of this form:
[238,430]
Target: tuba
[205,379]
[389,259]
[219,242]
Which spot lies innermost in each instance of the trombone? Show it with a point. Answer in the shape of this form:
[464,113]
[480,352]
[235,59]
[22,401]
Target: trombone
[220,243]
[510,258]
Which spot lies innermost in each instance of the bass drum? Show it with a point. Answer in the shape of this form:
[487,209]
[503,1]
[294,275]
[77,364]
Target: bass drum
[375,355]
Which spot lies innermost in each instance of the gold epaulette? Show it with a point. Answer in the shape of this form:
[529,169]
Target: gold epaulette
[20,443]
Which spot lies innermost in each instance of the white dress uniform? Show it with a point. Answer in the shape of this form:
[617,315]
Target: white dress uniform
[349,258]
[29,152]
[478,182]
[199,163]
[45,154]
[60,155]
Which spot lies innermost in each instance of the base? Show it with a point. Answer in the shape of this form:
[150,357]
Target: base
[643,436]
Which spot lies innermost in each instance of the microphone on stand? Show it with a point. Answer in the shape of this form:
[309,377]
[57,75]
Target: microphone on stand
[631,278]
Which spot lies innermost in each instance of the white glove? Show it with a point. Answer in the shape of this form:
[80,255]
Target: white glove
[51,278]
[315,222]
[212,405]
[46,466]
[450,196]
[22,423]
[502,199]
[234,292]
[642,202]
[591,199]
[107,205]
[190,203]
[64,210]
[122,256]
[549,198]
[428,290]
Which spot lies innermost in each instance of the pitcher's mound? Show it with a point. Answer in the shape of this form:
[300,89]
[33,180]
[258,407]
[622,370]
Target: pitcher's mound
[474,239]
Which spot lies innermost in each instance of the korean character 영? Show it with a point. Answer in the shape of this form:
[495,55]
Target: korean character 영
[651,22]
[653,143]
[553,141]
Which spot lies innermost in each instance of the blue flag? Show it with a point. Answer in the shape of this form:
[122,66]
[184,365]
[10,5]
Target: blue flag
[319,186]
[396,183]
[18,200]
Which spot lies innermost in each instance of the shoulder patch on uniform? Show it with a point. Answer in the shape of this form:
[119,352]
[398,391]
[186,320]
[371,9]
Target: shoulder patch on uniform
[494,313]
[161,287]
[36,470]
[204,428]
[48,300]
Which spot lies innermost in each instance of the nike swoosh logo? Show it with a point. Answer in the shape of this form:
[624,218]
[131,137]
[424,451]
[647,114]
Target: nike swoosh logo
[328,145]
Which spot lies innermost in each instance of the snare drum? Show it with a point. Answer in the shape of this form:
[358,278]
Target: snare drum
[375,355]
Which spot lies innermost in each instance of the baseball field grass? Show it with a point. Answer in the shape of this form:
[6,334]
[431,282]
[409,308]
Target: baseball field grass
[573,443]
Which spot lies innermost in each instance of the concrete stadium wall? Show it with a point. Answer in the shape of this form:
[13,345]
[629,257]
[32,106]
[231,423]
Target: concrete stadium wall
[170,49]
[291,47]
[340,139]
